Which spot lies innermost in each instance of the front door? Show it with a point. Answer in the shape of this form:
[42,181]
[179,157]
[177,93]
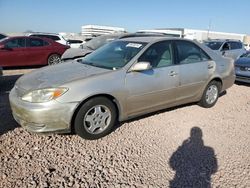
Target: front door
[153,89]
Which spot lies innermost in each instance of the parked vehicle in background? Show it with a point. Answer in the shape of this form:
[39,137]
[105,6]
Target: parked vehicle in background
[242,68]
[2,36]
[89,46]
[27,51]
[121,80]
[75,43]
[228,48]
[53,36]
[99,41]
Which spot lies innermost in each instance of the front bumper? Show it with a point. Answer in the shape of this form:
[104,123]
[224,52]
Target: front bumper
[46,117]
[241,78]
[242,75]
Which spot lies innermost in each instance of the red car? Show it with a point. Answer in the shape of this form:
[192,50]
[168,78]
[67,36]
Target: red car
[27,51]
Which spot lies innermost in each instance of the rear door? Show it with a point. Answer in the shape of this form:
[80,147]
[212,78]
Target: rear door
[14,53]
[38,51]
[153,89]
[195,67]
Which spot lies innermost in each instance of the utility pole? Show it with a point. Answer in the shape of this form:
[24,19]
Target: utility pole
[209,27]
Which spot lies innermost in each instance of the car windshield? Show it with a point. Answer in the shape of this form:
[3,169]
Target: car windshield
[213,45]
[4,39]
[97,42]
[114,55]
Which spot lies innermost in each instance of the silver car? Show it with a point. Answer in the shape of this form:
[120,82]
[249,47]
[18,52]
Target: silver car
[227,48]
[121,80]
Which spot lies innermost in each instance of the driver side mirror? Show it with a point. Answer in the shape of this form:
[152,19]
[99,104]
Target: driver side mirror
[2,46]
[141,66]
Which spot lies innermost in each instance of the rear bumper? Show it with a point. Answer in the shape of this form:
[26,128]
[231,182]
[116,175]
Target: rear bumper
[42,117]
[228,81]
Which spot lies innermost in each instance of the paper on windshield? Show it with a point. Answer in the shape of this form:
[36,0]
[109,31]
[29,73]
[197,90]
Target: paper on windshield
[134,45]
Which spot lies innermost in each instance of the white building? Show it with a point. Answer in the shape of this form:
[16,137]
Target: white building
[199,35]
[96,30]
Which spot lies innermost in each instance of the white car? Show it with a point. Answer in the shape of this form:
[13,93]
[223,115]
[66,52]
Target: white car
[54,36]
[227,48]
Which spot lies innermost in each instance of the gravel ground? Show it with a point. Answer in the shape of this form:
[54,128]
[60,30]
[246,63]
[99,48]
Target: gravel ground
[188,146]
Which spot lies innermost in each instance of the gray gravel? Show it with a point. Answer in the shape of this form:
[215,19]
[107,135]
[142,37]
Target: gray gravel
[152,151]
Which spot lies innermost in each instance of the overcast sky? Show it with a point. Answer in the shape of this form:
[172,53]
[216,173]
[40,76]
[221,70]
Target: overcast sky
[69,16]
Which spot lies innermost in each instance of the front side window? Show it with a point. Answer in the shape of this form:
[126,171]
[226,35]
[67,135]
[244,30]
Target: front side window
[16,43]
[226,47]
[190,53]
[114,55]
[158,55]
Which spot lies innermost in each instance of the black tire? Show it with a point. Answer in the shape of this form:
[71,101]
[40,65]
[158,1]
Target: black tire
[204,102]
[54,59]
[82,127]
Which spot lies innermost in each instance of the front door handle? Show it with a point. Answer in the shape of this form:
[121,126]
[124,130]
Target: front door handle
[172,73]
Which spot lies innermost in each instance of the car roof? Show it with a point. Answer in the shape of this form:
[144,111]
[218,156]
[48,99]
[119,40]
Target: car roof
[46,39]
[42,33]
[151,39]
[142,39]
[222,40]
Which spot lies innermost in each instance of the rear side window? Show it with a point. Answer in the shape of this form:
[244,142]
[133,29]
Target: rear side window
[188,52]
[37,42]
[16,43]
[55,38]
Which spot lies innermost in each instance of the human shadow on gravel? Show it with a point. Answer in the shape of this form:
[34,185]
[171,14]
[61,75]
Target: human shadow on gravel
[193,162]
[7,122]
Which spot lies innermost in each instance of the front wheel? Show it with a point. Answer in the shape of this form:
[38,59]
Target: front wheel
[95,118]
[211,94]
[54,59]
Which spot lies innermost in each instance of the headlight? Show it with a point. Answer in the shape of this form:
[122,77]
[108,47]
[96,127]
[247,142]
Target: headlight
[44,95]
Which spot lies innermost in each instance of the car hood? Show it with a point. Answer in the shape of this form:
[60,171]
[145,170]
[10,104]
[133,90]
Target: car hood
[243,61]
[72,53]
[57,75]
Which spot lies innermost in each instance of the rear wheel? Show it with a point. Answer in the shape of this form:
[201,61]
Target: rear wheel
[95,118]
[54,59]
[211,94]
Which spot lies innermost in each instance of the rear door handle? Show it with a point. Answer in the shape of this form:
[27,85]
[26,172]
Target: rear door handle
[172,73]
[210,66]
